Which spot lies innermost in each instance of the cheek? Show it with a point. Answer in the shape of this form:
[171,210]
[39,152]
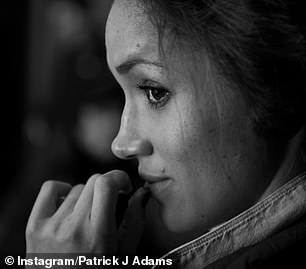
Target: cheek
[187,150]
[186,143]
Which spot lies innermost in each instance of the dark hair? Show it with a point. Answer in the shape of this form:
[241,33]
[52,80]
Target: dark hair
[259,45]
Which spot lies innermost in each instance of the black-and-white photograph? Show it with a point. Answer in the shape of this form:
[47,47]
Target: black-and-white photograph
[153,134]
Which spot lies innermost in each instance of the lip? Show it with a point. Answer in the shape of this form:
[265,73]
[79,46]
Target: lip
[150,179]
[157,185]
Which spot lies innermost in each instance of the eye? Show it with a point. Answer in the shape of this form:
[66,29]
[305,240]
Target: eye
[157,96]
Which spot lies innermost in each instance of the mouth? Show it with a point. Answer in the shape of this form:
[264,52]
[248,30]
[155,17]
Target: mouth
[157,185]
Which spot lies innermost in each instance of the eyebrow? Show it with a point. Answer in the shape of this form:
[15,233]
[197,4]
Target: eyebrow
[131,63]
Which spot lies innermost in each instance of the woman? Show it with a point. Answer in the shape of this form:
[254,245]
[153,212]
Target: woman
[214,114]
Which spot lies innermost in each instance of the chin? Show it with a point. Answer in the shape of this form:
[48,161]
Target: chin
[173,220]
[182,222]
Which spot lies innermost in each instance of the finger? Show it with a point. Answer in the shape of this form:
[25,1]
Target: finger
[45,204]
[105,197]
[84,203]
[131,229]
[69,202]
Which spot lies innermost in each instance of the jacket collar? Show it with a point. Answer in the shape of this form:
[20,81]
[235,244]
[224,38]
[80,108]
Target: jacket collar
[268,216]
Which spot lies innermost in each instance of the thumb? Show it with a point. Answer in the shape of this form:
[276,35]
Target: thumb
[132,226]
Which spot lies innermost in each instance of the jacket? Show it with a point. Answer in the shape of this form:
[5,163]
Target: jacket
[270,233]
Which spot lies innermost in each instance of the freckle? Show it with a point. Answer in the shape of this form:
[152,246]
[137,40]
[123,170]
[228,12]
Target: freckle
[138,45]
[211,131]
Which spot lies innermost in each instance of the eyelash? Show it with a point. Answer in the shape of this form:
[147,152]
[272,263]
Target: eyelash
[147,90]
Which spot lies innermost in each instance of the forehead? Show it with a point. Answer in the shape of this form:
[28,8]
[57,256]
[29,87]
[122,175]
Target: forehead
[128,31]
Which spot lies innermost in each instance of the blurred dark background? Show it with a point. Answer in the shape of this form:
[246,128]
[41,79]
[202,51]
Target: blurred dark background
[13,48]
[61,105]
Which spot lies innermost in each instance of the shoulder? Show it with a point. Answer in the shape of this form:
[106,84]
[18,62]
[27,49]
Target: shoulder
[284,249]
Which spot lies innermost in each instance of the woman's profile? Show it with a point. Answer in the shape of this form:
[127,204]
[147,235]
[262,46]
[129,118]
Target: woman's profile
[215,116]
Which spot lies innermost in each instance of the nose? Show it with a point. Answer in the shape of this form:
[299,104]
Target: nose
[129,142]
[132,149]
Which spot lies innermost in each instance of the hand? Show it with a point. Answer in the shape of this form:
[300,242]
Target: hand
[85,221]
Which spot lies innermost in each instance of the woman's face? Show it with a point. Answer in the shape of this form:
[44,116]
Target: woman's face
[191,136]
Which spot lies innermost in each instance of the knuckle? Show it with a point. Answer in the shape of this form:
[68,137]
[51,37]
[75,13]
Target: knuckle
[77,189]
[92,179]
[105,182]
[49,185]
